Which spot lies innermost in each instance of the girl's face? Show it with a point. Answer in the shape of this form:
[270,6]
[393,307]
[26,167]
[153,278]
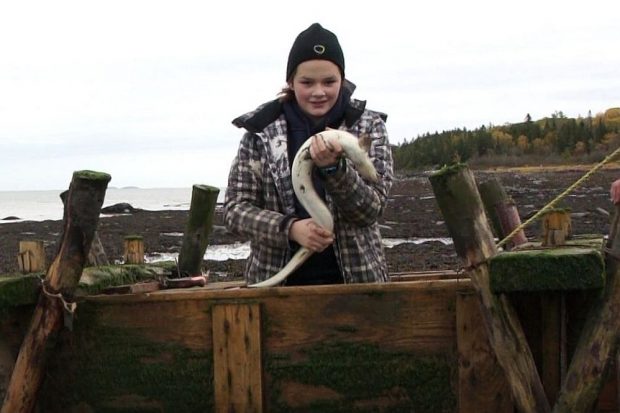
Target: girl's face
[316,84]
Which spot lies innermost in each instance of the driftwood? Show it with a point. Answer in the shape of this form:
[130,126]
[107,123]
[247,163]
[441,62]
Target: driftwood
[598,341]
[461,206]
[199,224]
[81,216]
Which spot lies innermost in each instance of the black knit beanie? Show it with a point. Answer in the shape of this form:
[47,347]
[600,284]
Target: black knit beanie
[315,43]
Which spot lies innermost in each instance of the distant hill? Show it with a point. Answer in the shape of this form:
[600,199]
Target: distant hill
[556,139]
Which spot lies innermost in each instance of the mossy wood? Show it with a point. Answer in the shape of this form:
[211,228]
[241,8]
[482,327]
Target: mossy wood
[81,216]
[598,342]
[199,225]
[363,348]
[398,347]
[558,269]
[459,201]
[502,211]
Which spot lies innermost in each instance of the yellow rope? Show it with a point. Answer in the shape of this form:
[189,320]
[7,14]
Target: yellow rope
[551,204]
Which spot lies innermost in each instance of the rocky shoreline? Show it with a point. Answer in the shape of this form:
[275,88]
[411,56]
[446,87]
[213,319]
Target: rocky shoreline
[411,212]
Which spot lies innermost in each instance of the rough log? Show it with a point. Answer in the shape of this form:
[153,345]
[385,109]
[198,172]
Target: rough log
[492,193]
[599,339]
[502,211]
[199,224]
[96,253]
[81,216]
[461,206]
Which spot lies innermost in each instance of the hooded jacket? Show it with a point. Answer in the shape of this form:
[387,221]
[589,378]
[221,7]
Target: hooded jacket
[260,204]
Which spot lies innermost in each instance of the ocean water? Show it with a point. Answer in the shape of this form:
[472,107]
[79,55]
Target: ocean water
[44,205]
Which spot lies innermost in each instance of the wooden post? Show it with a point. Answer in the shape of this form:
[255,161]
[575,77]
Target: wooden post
[461,206]
[492,193]
[96,255]
[599,339]
[31,256]
[134,249]
[81,216]
[237,368]
[557,228]
[199,224]
[502,211]
[96,252]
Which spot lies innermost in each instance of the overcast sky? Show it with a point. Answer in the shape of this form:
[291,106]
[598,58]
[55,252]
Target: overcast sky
[146,90]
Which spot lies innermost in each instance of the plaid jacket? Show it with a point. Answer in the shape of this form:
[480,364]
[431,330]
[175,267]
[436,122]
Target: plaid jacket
[259,201]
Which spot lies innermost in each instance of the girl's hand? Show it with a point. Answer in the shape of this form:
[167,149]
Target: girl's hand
[309,234]
[324,153]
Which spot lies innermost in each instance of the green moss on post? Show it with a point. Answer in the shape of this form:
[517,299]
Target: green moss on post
[559,269]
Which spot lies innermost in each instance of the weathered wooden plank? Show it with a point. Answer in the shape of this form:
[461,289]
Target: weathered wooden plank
[482,384]
[237,368]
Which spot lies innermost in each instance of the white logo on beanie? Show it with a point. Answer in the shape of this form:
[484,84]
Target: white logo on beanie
[319,49]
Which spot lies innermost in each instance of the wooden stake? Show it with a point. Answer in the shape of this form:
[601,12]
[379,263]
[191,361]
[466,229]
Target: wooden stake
[134,250]
[461,206]
[31,257]
[199,224]
[557,228]
[81,216]
[96,253]
[502,211]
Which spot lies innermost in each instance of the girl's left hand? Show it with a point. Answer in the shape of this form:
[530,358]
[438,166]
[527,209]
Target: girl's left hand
[324,153]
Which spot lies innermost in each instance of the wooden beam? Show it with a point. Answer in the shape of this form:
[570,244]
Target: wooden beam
[459,201]
[482,386]
[237,369]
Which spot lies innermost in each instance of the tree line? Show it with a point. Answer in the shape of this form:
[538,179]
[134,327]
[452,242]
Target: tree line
[552,140]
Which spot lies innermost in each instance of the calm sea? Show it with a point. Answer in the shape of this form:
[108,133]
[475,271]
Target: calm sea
[43,205]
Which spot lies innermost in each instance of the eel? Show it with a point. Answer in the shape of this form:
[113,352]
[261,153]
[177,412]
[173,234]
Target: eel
[356,150]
